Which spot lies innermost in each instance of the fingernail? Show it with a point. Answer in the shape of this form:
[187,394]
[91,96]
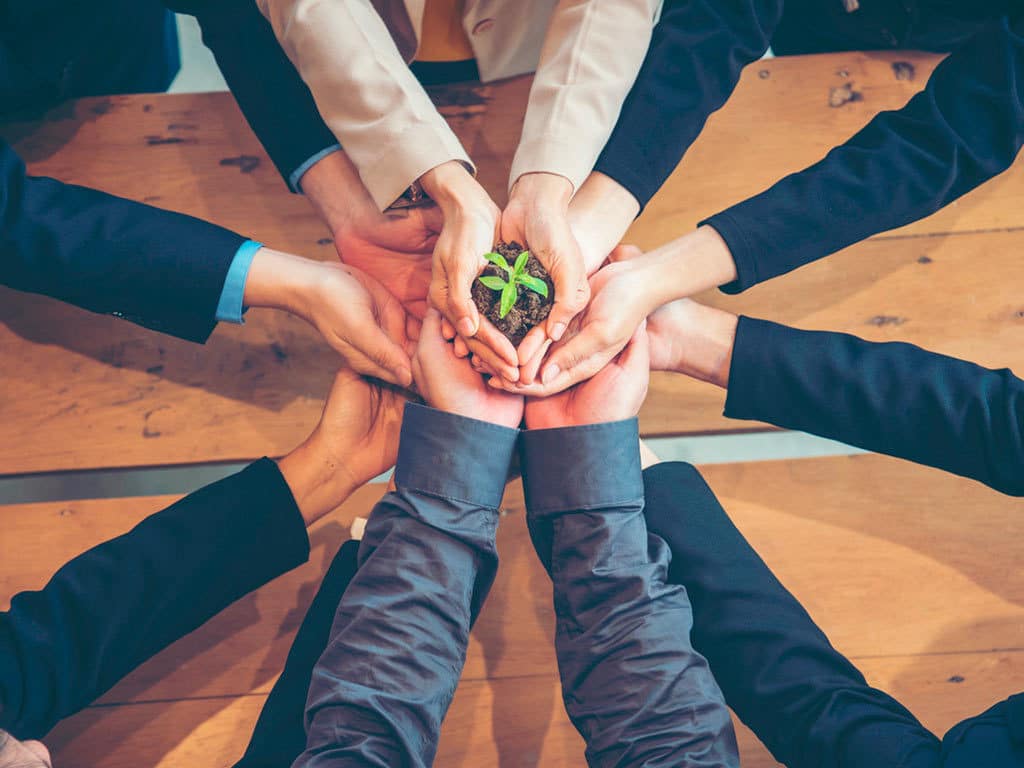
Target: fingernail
[557,331]
[550,374]
[494,382]
[405,377]
[466,328]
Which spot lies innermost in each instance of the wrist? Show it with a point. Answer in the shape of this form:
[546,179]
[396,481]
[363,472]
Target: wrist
[336,191]
[542,190]
[279,280]
[449,184]
[319,484]
[600,214]
[707,350]
[693,263]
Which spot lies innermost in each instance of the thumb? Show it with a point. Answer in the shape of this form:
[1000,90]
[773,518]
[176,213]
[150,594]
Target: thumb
[384,358]
[625,253]
[572,292]
[585,347]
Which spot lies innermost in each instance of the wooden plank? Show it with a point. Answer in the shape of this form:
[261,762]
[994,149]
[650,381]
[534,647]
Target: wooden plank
[495,723]
[142,399]
[928,557]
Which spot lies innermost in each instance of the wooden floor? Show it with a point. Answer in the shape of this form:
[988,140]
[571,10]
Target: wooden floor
[912,573]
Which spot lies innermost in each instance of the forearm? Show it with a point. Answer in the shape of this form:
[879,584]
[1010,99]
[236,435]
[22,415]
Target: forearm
[892,398]
[697,52]
[427,561]
[590,59]
[802,698]
[271,94]
[110,255]
[365,92]
[113,607]
[620,626]
[964,128]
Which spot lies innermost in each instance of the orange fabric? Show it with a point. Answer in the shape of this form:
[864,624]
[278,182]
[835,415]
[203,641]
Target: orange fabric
[442,37]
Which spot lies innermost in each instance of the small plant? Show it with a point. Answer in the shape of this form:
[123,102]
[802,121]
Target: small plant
[516,276]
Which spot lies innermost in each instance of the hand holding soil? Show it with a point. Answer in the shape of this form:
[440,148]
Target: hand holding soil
[514,292]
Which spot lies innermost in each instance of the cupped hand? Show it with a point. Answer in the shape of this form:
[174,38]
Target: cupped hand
[537,216]
[616,392]
[620,301]
[449,383]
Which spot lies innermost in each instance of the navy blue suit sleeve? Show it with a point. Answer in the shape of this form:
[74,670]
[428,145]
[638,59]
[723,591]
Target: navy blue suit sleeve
[109,255]
[113,607]
[632,684]
[697,51]
[965,127]
[384,682]
[802,698]
[270,92]
[891,398]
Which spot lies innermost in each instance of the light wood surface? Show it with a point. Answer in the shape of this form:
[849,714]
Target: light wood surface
[911,572]
[85,391]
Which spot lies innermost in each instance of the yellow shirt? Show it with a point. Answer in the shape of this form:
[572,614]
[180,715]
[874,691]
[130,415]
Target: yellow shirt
[442,37]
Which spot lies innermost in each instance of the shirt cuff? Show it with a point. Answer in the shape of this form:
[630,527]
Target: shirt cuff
[295,179]
[453,457]
[229,308]
[731,230]
[575,468]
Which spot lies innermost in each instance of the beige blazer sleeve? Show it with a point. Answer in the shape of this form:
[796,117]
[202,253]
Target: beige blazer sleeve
[592,54]
[365,92]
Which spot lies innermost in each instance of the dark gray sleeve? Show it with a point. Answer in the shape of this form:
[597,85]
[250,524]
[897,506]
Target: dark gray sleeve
[427,560]
[633,685]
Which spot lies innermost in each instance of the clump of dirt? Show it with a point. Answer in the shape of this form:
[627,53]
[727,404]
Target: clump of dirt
[530,308]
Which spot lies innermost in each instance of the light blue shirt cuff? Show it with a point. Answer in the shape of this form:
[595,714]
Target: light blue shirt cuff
[229,308]
[295,180]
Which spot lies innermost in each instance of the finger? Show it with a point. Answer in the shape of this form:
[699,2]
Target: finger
[624,253]
[499,344]
[483,367]
[528,372]
[447,329]
[461,349]
[388,358]
[590,343]
[498,365]
[531,344]
[559,383]
[461,309]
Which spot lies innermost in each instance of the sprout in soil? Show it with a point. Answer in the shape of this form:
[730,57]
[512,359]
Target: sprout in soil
[516,276]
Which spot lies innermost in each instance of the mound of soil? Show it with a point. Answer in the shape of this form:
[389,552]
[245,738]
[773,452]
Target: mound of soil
[530,308]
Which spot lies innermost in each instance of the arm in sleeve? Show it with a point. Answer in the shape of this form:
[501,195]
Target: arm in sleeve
[427,560]
[891,398]
[276,103]
[965,127]
[112,608]
[365,92]
[592,53]
[697,52]
[160,269]
[802,698]
[632,684]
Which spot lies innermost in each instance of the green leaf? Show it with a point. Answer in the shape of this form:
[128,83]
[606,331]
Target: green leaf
[535,284]
[508,299]
[494,283]
[521,260]
[499,261]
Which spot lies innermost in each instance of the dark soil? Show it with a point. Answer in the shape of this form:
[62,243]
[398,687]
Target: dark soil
[529,310]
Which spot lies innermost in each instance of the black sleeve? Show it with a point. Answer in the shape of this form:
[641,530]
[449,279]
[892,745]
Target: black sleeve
[163,270]
[697,52]
[965,127]
[274,99]
[891,398]
[113,607]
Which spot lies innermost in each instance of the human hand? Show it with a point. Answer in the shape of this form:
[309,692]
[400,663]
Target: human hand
[355,440]
[600,213]
[537,215]
[393,246]
[693,339]
[22,754]
[354,313]
[449,383]
[613,394]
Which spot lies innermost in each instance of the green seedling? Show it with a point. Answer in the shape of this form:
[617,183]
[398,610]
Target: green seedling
[516,276]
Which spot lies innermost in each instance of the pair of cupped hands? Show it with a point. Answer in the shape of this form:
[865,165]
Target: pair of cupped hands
[398,263]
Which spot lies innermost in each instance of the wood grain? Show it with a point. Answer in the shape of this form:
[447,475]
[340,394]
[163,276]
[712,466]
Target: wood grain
[90,391]
[890,559]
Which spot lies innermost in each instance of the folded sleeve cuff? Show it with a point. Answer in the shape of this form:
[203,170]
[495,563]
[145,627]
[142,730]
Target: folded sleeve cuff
[743,254]
[400,160]
[453,457]
[751,367]
[295,177]
[229,308]
[576,468]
